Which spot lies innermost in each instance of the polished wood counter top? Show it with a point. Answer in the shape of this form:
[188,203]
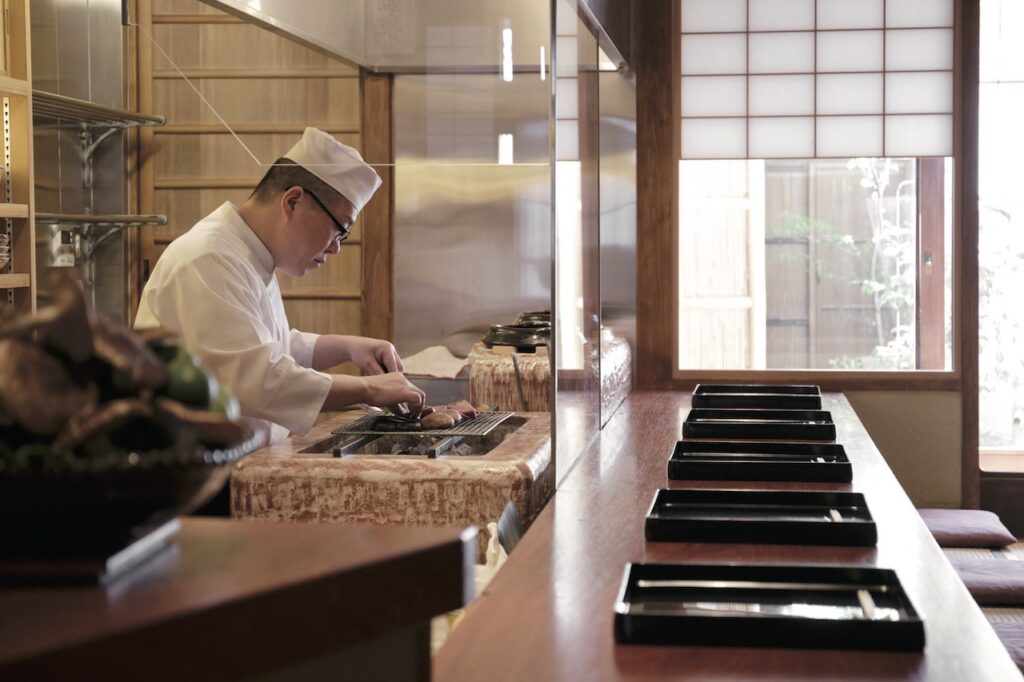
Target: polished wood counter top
[547,615]
[234,599]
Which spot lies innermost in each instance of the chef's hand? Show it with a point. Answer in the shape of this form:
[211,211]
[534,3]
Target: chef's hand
[373,356]
[388,389]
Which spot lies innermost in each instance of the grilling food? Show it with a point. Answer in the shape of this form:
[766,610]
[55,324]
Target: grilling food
[390,422]
[464,408]
[437,420]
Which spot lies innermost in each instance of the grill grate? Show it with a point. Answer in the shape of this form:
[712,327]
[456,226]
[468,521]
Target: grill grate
[480,425]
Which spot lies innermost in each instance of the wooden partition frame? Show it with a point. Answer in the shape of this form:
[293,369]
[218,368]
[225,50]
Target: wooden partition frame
[377,111]
[658,74]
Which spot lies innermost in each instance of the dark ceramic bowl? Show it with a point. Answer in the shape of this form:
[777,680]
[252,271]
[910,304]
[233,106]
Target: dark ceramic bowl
[103,503]
[543,316]
[524,337]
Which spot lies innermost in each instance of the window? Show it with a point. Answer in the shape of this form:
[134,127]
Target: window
[1001,227]
[815,186]
[827,264]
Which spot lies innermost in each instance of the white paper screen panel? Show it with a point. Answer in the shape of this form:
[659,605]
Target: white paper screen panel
[919,93]
[918,13]
[843,136]
[781,15]
[836,14]
[714,138]
[850,51]
[715,96]
[715,53]
[567,98]
[776,138]
[567,65]
[919,135]
[703,16]
[849,93]
[782,52]
[567,140]
[816,78]
[781,95]
[917,49]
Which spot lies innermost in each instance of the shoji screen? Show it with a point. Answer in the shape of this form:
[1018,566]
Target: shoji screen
[816,78]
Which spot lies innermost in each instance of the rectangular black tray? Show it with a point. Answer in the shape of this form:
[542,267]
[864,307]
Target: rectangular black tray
[759,424]
[814,607]
[782,397]
[761,516]
[757,461]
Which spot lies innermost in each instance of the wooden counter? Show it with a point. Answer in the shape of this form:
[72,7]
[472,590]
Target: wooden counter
[235,599]
[547,615]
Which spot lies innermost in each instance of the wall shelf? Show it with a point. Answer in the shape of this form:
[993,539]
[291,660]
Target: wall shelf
[13,87]
[119,220]
[17,280]
[13,210]
[59,107]
[17,190]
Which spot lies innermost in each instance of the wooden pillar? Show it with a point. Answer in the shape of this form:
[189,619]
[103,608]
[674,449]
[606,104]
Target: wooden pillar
[378,318]
[657,94]
[965,200]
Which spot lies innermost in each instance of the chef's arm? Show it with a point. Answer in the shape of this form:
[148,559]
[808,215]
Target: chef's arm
[372,356]
[380,390]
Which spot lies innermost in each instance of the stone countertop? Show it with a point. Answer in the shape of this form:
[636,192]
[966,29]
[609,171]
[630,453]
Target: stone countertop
[282,482]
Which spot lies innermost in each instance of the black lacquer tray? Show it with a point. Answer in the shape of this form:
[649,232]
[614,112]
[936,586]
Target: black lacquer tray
[761,516]
[759,424]
[759,461]
[816,607]
[789,397]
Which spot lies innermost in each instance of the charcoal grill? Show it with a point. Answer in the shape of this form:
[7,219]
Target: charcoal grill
[480,425]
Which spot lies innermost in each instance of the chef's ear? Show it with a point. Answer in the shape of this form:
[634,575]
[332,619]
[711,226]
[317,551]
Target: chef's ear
[290,198]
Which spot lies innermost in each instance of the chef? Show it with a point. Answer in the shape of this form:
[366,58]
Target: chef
[215,287]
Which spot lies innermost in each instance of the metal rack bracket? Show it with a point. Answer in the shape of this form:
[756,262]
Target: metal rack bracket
[90,119]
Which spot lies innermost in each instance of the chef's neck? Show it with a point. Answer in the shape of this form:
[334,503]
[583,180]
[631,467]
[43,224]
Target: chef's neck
[266,222]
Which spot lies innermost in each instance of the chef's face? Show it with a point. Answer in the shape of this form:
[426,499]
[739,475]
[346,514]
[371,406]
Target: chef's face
[322,225]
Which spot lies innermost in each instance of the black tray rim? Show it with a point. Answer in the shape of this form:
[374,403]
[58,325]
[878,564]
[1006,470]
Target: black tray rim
[853,533]
[727,443]
[815,392]
[911,628]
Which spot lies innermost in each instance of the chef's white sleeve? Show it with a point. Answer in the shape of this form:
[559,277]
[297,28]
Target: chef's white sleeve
[211,302]
[302,345]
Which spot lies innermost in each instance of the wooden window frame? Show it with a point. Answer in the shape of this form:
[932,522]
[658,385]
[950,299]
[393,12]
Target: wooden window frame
[658,144]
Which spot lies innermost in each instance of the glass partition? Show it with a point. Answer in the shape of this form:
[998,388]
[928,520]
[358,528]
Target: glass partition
[470,90]
[577,200]
[617,102]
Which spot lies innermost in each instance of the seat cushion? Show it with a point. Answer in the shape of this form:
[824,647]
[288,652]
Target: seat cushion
[993,582]
[1012,637]
[966,528]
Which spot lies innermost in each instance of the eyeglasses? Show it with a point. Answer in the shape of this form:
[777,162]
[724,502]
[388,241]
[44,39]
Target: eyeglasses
[343,231]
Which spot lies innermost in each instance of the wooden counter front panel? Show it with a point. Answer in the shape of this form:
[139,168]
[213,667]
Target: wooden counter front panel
[548,613]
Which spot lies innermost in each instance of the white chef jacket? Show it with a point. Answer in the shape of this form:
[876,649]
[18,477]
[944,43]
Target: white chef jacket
[215,287]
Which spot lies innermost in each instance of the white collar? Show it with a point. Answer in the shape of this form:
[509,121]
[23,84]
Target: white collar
[261,257]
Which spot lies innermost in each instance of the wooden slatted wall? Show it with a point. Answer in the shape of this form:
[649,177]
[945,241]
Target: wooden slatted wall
[268,89]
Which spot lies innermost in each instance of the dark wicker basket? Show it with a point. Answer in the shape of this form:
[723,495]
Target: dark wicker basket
[103,503]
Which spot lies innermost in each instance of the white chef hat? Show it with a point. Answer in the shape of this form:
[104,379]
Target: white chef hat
[337,164]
